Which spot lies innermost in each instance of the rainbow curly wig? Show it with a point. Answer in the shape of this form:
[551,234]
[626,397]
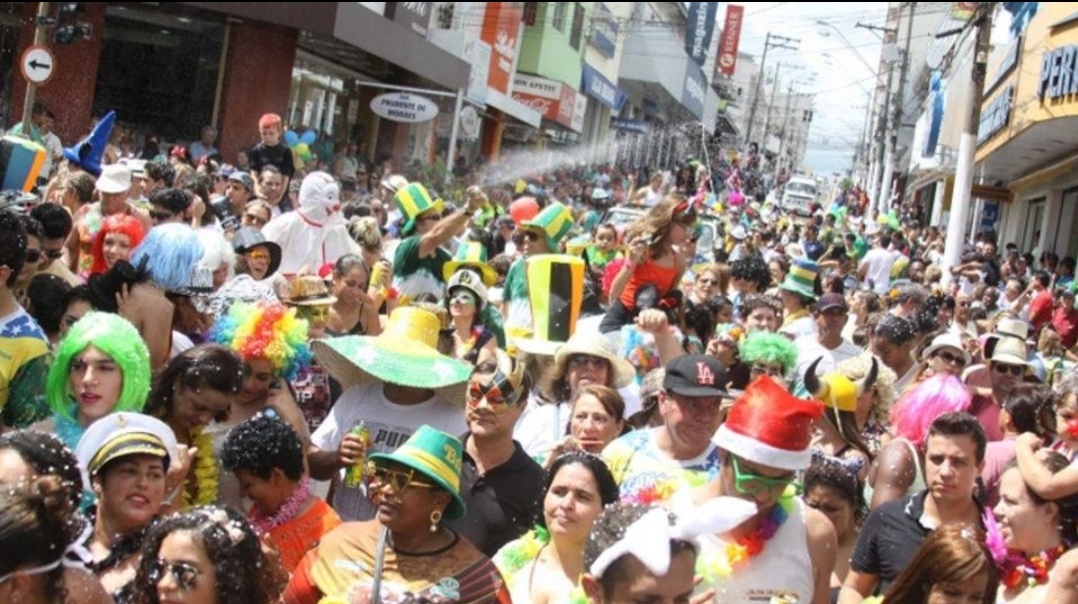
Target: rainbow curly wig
[266,330]
[915,411]
[769,347]
[114,336]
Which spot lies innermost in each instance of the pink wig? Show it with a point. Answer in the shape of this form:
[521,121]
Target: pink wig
[915,410]
[120,223]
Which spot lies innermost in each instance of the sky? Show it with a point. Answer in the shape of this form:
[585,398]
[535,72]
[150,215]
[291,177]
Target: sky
[841,61]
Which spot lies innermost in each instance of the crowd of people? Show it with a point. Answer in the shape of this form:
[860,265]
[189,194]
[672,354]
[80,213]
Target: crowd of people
[277,383]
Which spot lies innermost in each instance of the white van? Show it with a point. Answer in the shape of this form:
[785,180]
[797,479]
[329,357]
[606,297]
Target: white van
[799,195]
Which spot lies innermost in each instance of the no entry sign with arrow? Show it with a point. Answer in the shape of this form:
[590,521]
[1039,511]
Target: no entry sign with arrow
[37,64]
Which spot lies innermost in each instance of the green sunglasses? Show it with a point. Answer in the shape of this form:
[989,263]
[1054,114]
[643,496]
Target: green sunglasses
[748,483]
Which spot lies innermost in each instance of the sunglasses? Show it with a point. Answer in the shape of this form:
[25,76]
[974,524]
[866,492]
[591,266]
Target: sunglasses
[185,573]
[397,480]
[53,254]
[160,216]
[250,219]
[430,217]
[531,235]
[259,255]
[33,256]
[580,360]
[748,483]
[707,281]
[951,358]
[1015,370]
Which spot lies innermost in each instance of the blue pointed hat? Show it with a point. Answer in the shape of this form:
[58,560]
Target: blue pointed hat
[87,153]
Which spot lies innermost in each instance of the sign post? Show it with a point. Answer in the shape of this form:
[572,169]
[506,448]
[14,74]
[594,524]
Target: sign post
[31,84]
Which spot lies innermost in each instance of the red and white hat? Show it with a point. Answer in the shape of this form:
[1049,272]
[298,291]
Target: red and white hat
[769,426]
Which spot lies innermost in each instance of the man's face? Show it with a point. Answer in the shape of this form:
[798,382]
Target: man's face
[238,194]
[1005,377]
[951,467]
[830,322]
[643,586]
[32,264]
[208,135]
[51,249]
[488,413]
[760,484]
[762,317]
[690,421]
[272,184]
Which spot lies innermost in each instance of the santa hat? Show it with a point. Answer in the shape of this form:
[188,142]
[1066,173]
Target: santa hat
[769,426]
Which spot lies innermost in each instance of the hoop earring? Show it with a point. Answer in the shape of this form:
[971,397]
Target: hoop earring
[435,518]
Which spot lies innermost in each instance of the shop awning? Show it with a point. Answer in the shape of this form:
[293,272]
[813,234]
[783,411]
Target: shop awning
[512,108]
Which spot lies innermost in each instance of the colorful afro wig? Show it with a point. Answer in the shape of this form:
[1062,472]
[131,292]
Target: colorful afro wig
[266,330]
[770,348]
[123,224]
[114,336]
[915,411]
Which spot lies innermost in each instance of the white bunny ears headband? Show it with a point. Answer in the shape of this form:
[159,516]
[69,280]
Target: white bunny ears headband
[717,515]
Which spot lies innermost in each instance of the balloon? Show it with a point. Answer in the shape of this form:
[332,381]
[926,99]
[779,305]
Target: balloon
[524,208]
[303,152]
[291,138]
[736,198]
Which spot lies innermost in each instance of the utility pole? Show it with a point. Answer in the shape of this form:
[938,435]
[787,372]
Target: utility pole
[898,98]
[967,142]
[881,160]
[782,42]
[785,125]
[770,105]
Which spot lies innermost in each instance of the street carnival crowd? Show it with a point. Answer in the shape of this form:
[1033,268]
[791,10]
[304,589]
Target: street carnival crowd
[312,379]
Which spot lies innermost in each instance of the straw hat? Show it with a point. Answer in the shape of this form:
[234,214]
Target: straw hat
[596,345]
[405,354]
[1011,351]
[946,340]
[309,290]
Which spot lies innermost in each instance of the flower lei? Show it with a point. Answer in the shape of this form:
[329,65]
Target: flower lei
[661,490]
[263,523]
[1017,568]
[206,472]
[521,552]
[737,554]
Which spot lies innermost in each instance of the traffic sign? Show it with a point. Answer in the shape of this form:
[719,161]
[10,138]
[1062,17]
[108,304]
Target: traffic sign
[37,64]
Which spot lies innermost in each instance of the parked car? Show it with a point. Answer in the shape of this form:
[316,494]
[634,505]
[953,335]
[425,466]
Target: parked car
[799,195]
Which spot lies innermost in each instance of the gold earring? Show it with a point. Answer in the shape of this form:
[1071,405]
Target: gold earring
[435,518]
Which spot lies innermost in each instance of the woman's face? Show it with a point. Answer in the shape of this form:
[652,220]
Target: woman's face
[267,495]
[970,591]
[462,303]
[117,246]
[405,498]
[72,314]
[705,285]
[130,490]
[194,408]
[947,361]
[258,262]
[259,378]
[351,288]
[186,575]
[95,382]
[1066,413]
[584,369]
[832,505]
[1018,513]
[777,274]
[572,503]
[592,425]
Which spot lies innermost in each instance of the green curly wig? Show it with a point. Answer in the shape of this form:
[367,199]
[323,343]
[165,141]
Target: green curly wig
[114,336]
[770,348]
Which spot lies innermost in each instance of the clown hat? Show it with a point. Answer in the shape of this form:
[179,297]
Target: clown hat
[437,456]
[769,426]
[405,354]
[87,153]
[469,280]
[801,279]
[555,221]
[20,163]
[413,200]
[556,293]
[473,255]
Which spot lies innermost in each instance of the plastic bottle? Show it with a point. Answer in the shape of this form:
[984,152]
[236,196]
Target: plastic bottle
[353,476]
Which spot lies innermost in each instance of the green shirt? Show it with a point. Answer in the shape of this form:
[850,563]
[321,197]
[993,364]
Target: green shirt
[414,276]
[515,294]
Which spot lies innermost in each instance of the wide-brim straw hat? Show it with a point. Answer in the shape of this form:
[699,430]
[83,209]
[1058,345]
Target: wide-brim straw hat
[594,344]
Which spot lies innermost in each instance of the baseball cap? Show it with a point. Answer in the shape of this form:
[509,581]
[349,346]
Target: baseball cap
[831,300]
[244,179]
[696,375]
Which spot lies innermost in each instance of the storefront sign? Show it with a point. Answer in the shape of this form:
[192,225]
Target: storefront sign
[1059,73]
[551,99]
[604,31]
[693,90]
[731,35]
[1009,61]
[501,29]
[699,26]
[413,15]
[404,107]
[478,53]
[996,115]
[601,89]
[627,125]
[469,122]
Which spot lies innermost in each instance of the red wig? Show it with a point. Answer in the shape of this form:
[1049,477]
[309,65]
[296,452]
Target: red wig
[122,224]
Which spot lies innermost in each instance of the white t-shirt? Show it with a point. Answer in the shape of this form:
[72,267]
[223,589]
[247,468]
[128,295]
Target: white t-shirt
[809,349]
[879,263]
[390,425]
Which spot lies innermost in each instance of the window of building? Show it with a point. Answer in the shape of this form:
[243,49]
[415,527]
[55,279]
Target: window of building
[576,34]
[531,11]
[559,16]
[445,15]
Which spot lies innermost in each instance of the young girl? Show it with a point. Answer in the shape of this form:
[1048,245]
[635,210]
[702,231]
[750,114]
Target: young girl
[654,263]
[1039,478]
[603,250]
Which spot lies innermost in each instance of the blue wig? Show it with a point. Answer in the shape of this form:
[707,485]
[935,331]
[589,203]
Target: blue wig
[171,252]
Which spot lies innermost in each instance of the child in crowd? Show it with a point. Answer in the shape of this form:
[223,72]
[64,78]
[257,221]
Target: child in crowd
[271,151]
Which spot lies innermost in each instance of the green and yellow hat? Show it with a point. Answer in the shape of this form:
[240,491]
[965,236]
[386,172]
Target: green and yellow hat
[801,279]
[555,221]
[414,200]
[473,255]
[556,293]
[437,456]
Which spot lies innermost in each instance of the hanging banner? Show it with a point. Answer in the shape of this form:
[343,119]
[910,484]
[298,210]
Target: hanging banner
[728,42]
[404,107]
[698,29]
[501,28]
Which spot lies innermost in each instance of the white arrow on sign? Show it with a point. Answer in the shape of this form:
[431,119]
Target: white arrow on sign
[37,64]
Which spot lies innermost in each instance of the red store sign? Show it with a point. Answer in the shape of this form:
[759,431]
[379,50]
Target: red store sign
[555,101]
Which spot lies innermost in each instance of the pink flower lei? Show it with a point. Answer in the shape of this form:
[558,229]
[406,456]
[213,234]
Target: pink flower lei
[263,524]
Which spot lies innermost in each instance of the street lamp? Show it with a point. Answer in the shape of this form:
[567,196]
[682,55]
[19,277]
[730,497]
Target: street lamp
[845,42]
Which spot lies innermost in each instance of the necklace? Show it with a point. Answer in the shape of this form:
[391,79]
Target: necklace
[1032,570]
[206,472]
[121,549]
[737,554]
[263,524]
